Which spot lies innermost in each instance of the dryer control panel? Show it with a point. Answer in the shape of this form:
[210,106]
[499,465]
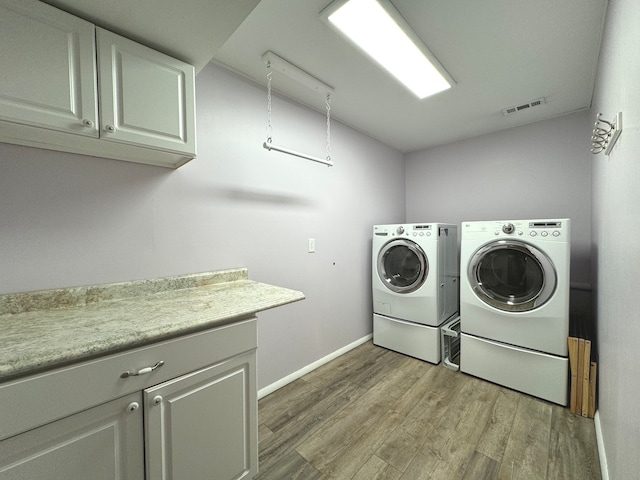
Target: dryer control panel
[538,229]
[544,229]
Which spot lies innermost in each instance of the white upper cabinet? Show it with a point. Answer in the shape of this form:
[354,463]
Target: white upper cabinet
[146,97]
[71,86]
[49,69]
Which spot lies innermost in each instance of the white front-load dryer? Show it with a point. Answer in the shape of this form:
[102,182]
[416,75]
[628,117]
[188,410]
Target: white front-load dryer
[514,304]
[414,285]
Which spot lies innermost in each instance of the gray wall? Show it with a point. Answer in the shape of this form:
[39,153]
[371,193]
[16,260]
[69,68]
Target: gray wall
[616,229]
[72,220]
[68,220]
[541,170]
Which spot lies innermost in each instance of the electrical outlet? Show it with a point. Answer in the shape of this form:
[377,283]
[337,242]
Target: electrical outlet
[312,245]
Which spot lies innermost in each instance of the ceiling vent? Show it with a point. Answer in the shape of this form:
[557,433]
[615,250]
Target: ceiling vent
[524,106]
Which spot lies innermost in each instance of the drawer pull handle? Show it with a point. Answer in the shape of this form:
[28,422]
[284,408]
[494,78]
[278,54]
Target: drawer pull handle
[142,371]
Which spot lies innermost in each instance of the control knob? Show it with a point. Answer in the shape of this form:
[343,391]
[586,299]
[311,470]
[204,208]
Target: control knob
[400,230]
[508,228]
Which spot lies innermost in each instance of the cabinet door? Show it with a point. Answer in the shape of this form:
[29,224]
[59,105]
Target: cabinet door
[102,443]
[146,98]
[204,425]
[48,76]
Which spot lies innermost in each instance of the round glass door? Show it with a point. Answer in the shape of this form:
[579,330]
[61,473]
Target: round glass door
[512,276]
[402,266]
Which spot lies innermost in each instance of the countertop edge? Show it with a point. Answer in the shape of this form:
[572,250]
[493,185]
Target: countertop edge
[37,341]
[73,297]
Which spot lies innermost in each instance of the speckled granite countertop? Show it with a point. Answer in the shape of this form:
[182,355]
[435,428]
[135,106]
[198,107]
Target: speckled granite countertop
[50,328]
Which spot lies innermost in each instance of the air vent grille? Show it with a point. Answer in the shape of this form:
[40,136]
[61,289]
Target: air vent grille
[524,106]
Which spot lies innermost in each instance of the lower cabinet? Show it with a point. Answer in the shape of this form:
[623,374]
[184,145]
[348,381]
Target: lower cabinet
[203,425]
[193,426]
[102,443]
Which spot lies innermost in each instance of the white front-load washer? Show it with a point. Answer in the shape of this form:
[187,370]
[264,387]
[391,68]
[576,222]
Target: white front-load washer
[414,285]
[514,304]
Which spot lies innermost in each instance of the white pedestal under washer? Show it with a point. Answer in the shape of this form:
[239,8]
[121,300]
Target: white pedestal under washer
[414,285]
[514,304]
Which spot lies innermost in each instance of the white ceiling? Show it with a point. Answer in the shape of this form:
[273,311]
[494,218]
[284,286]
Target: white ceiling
[501,53]
[190,30]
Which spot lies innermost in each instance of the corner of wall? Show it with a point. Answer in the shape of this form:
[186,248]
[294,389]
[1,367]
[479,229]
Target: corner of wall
[263,392]
[601,451]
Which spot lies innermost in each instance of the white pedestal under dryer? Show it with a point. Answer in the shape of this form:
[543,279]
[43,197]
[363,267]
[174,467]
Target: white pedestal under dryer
[514,304]
[415,275]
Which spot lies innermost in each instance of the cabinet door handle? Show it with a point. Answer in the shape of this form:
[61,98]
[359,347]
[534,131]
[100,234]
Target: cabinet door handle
[132,407]
[87,123]
[110,128]
[142,371]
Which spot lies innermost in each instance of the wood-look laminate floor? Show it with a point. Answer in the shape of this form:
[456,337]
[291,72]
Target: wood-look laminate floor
[374,414]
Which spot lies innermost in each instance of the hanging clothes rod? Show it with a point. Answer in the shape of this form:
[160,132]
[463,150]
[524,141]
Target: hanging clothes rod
[274,62]
[271,146]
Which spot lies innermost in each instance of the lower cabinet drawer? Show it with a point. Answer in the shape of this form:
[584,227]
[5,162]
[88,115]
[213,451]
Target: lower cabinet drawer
[39,399]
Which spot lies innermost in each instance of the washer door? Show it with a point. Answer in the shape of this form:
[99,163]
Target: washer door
[512,276]
[402,266]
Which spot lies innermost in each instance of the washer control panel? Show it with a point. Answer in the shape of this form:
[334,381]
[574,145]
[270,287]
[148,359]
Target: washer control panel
[416,230]
[423,230]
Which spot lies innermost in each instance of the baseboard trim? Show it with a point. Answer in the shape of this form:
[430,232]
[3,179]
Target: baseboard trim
[601,452]
[263,392]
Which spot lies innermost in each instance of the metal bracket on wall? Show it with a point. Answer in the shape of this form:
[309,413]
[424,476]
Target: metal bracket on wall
[605,134]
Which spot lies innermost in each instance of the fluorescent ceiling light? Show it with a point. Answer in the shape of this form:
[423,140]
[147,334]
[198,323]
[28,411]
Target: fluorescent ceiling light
[385,36]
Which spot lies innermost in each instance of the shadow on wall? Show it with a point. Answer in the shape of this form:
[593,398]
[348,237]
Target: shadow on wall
[581,308]
[581,311]
[581,298]
[215,193]
[255,196]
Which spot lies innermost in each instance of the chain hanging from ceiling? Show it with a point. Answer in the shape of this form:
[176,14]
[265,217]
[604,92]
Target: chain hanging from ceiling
[327,101]
[269,125]
[269,145]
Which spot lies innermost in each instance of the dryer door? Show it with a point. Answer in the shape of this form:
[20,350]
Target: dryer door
[402,266]
[512,276]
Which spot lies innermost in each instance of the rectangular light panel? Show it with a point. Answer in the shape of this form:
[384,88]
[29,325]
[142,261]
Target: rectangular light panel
[391,43]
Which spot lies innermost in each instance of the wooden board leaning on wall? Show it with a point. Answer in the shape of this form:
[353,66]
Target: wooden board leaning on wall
[583,377]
